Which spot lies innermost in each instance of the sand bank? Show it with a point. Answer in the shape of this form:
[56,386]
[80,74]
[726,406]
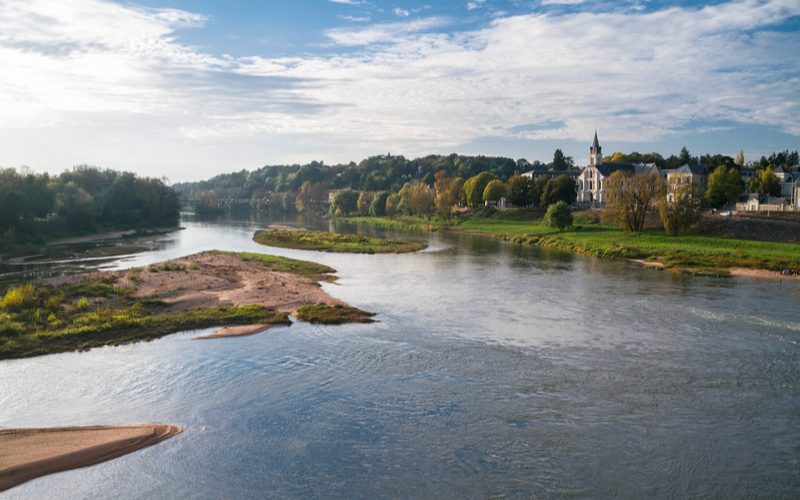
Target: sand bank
[211,280]
[236,331]
[763,273]
[26,454]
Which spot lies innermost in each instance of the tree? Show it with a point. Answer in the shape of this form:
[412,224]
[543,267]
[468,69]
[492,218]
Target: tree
[364,203]
[391,204]
[561,162]
[494,191]
[562,188]
[630,197]
[724,186]
[681,207]
[420,200]
[766,183]
[520,191]
[445,203]
[474,187]
[558,216]
[685,157]
[537,190]
[740,158]
[378,206]
[311,196]
[344,202]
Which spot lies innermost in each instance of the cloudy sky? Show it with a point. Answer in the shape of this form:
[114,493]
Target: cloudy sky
[191,88]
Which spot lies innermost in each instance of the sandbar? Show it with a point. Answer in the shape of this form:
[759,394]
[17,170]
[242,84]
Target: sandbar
[235,331]
[26,454]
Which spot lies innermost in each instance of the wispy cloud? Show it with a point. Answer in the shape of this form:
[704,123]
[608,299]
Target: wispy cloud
[69,66]
[348,2]
[401,12]
[355,19]
[383,33]
[475,5]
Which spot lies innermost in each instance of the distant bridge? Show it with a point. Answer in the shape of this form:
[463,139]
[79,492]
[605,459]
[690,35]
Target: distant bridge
[226,202]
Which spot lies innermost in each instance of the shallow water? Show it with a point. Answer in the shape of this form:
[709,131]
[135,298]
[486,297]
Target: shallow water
[496,371]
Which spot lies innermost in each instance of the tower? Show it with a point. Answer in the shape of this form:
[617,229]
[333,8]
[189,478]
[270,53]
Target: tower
[595,153]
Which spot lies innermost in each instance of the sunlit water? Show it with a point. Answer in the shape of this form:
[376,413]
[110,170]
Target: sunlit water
[496,371]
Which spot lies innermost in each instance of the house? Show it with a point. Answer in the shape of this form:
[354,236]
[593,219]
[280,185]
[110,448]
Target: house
[758,203]
[592,179]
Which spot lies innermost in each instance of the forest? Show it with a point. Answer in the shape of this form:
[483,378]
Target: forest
[282,185]
[35,208]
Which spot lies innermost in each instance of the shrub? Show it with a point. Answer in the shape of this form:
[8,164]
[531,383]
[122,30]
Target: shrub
[19,298]
[82,304]
[558,216]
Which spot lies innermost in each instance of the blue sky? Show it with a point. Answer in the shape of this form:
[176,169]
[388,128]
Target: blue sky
[189,89]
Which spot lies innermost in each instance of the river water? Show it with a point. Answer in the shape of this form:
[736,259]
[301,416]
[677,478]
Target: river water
[496,371]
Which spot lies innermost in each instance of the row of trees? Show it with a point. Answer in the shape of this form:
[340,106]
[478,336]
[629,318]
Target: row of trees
[447,193]
[33,206]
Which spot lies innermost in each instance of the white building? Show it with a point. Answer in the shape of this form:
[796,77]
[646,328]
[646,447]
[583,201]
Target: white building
[592,179]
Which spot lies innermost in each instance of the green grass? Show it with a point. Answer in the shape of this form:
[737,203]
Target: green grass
[333,315]
[692,253]
[331,242]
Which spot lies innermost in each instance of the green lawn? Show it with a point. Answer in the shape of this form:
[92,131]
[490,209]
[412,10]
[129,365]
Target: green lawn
[689,253]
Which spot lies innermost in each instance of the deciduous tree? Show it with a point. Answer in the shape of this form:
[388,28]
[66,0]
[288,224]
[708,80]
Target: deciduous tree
[344,202]
[562,188]
[558,216]
[724,186]
[474,187]
[519,191]
[681,207]
[494,191]
[631,197]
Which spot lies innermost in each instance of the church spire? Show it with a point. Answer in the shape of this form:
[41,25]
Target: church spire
[595,152]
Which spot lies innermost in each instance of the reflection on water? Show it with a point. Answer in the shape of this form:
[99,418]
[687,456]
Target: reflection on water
[496,371]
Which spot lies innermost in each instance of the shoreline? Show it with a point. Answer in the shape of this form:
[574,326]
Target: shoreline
[27,454]
[112,235]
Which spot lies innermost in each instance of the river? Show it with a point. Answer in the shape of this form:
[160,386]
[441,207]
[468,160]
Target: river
[496,371]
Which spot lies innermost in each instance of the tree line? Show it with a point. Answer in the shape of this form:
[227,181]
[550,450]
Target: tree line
[35,207]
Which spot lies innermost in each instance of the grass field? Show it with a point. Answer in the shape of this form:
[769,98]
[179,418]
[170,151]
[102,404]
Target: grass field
[691,253]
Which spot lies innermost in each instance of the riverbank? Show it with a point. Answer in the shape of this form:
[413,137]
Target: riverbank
[26,454]
[197,291]
[685,253]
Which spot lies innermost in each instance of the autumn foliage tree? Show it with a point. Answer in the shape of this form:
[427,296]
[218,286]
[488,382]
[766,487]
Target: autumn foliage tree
[681,207]
[630,197]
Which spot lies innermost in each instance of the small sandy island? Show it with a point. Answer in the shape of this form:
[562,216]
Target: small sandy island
[26,454]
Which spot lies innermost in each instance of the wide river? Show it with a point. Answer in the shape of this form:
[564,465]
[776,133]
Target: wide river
[496,371]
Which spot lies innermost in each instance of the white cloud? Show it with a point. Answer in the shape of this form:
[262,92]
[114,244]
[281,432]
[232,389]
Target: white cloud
[475,5]
[99,77]
[401,12]
[348,2]
[354,19]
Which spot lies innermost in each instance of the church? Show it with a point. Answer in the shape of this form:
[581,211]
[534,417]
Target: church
[592,179]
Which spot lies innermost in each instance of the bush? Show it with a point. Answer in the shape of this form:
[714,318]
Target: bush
[19,298]
[558,216]
[82,304]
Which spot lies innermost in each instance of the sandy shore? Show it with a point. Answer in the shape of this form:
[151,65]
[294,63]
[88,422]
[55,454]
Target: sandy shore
[763,273]
[114,235]
[26,454]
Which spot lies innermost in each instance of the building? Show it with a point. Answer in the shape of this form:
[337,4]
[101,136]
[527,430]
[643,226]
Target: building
[591,180]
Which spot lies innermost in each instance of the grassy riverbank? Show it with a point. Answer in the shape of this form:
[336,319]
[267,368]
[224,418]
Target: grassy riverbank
[330,242]
[692,253]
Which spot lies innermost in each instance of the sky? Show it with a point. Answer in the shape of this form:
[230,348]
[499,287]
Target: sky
[190,89]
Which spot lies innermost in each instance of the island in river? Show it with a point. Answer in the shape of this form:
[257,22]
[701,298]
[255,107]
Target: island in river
[197,291]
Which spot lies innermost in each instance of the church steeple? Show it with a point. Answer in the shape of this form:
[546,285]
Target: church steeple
[595,152]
